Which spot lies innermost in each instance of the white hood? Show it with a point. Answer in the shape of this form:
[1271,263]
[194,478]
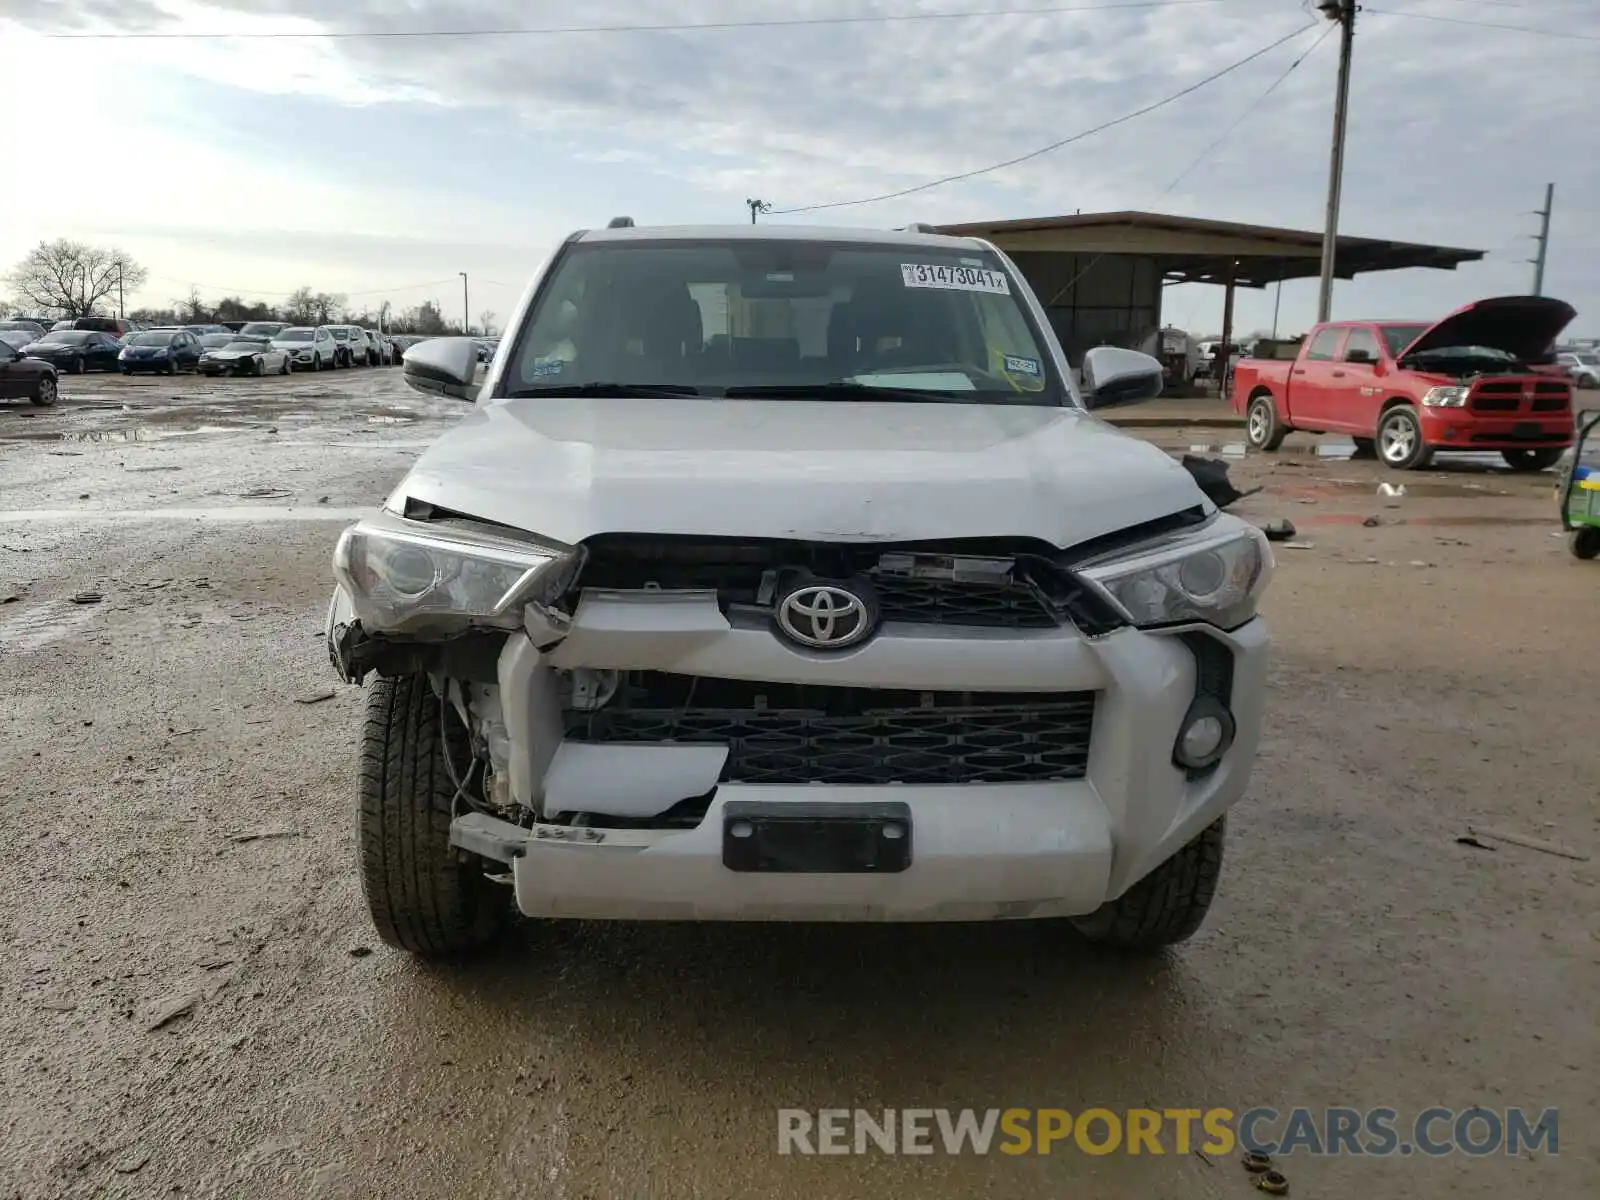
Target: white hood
[807,470]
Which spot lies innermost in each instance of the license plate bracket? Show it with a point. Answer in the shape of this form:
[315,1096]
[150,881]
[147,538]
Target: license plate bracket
[817,838]
[1528,430]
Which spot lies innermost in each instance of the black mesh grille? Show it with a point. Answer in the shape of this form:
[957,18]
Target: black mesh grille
[979,605]
[829,735]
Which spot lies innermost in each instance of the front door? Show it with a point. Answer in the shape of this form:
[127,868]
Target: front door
[1311,381]
[1356,394]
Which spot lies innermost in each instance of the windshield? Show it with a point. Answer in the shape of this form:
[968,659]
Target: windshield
[784,317]
[1398,337]
[150,339]
[1468,352]
[17,338]
[251,347]
[261,328]
[295,335]
[1587,360]
[339,334]
[67,337]
[215,341]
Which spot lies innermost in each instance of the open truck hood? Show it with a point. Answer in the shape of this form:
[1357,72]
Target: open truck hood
[1522,325]
[845,471]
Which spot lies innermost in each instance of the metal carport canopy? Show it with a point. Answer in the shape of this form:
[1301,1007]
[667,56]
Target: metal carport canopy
[1197,250]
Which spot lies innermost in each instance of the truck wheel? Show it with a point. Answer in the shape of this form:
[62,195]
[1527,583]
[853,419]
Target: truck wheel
[424,897]
[1400,443]
[1262,428]
[1531,460]
[1584,543]
[1167,905]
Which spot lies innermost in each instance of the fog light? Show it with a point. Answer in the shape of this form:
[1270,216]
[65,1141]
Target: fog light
[1205,736]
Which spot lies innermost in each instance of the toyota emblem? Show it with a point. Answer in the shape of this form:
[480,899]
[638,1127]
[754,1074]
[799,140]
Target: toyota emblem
[823,616]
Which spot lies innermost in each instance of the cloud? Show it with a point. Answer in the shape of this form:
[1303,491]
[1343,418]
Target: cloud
[1453,132]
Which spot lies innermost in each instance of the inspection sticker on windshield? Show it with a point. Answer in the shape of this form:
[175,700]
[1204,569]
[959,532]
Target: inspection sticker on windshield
[960,279]
[544,368]
[1016,364]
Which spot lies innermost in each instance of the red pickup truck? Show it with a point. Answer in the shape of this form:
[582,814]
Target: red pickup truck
[1481,379]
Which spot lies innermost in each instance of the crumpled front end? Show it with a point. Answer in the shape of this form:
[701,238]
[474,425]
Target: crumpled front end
[743,730]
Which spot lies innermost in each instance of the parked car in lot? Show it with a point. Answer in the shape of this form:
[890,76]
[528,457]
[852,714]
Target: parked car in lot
[33,329]
[930,643]
[310,348]
[166,351]
[1583,366]
[77,350]
[348,344]
[244,356]
[214,341]
[23,378]
[1480,379]
[205,327]
[265,330]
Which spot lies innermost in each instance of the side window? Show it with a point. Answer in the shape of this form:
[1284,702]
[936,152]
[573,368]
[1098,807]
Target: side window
[1361,346]
[1324,345]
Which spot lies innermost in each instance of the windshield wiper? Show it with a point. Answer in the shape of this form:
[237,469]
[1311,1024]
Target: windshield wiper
[841,389]
[604,389]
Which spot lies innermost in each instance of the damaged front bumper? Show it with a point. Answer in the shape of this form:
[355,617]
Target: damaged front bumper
[986,845]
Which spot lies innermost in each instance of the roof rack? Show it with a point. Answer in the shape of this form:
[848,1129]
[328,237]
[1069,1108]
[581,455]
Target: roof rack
[919,227]
[620,223]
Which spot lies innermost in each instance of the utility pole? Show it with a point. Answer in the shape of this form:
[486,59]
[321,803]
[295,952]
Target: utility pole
[1276,301]
[1543,238]
[757,207]
[466,307]
[1344,12]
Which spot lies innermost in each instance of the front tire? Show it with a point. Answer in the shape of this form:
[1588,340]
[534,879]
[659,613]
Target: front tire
[1585,542]
[1532,460]
[1168,905]
[1262,428]
[423,896]
[1400,443]
[316,362]
[45,391]
[80,366]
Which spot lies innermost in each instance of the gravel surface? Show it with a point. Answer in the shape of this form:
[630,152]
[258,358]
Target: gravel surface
[193,1003]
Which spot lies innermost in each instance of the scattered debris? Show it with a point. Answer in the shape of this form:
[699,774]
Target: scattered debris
[1299,545]
[131,1165]
[264,493]
[1390,490]
[1364,562]
[9,598]
[1527,843]
[170,1009]
[1212,476]
[185,732]
[58,1005]
[1205,1158]
[83,495]
[1255,1163]
[1280,530]
[316,697]
[323,499]
[1474,843]
[262,835]
[1417,562]
[87,598]
[1373,521]
[1273,1183]
[215,963]
[360,951]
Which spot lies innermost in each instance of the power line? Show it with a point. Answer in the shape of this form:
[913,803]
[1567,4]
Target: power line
[693,27]
[1206,153]
[230,291]
[1053,146]
[1566,35]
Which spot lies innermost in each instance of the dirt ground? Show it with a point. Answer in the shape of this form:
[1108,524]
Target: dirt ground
[177,780]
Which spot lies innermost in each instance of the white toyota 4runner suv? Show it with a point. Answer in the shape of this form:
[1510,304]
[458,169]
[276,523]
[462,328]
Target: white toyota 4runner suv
[781,574]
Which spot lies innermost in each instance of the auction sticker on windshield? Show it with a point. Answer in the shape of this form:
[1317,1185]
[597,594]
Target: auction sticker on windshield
[960,279]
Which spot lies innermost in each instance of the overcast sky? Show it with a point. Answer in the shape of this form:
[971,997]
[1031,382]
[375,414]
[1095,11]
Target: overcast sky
[374,166]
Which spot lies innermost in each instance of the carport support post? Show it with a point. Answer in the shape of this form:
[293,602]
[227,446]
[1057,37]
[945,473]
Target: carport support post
[1227,330]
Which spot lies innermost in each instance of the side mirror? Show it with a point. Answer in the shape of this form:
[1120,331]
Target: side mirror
[444,367]
[1112,375]
[1360,356]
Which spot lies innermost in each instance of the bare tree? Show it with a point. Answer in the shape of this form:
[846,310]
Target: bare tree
[324,306]
[300,307]
[191,307]
[486,321]
[72,278]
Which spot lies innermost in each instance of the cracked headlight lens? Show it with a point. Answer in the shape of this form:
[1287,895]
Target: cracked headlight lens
[405,575]
[1216,575]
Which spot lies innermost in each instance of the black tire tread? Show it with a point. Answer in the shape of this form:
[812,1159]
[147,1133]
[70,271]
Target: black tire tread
[422,898]
[1168,905]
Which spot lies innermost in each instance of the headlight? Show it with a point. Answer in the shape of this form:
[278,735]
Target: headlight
[402,575]
[1445,397]
[1215,575]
